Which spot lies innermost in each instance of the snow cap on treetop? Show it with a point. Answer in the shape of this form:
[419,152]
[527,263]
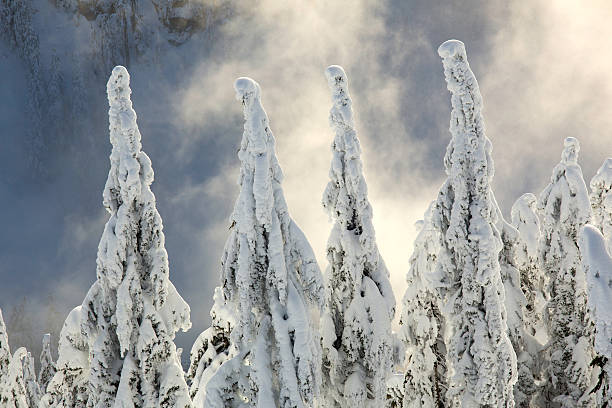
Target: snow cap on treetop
[245,88]
[570,151]
[603,176]
[338,85]
[452,48]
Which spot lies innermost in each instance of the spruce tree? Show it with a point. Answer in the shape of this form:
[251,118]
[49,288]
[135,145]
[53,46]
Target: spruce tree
[481,361]
[14,390]
[132,312]
[601,201]
[526,221]
[47,365]
[211,349]
[68,388]
[597,264]
[5,351]
[422,323]
[565,209]
[270,281]
[356,322]
[29,380]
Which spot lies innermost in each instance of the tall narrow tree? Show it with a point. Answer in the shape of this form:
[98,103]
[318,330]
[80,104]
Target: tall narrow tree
[422,323]
[598,269]
[14,390]
[47,365]
[565,209]
[482,362]
[526,221]
[5,351]
[68,387]
[29,380]
[211,348]
[132,311]
[271,282]
[601,201]
[356,323]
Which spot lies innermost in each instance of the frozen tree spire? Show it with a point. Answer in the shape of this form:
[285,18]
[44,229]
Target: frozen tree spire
[601,200]
[14,392]
[271,282]
[356,323]
[526,221]
[482,363]
[598,269]
[211,348]
[422,323]
[565,209]
[29,380]
[132,312]
[68,387]
[47,365]
[5,351]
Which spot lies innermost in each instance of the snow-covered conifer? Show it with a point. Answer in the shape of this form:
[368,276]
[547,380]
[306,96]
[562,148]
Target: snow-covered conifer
[481,361]
[132,312]
[422,323]
[598,269]
[565,208]
[601,201]
[14,391]
[356,322]
[271,282]
[5,351]
[29,380]
[68,387]
[47,365]
[526,221]
[211,348]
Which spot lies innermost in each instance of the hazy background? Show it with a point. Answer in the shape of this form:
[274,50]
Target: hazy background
[543,68]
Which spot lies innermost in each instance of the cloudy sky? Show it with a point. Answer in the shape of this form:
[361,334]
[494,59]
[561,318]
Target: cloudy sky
[543,71]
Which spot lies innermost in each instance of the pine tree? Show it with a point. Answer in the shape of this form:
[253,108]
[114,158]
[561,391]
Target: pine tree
[47,365]
[271,282]
[14,390]
[356,322]
[422,323]
[601,201]
[68,386]
[481,361]
[132,311]
[597,264]
[565,209]
[211,349]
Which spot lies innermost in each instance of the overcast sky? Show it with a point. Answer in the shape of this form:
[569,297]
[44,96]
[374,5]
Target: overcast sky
[543,68]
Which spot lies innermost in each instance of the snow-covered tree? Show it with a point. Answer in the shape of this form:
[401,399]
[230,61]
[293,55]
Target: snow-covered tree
[422,323]
[5,351]
[14,390]
[356,322]
[132,312]
[524,345]
[47,365]
[211,348]
[271,282]
[598,269]
[601,201]
[481,361]
[565,208]
[526,221]
[29,380]
[68,386]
